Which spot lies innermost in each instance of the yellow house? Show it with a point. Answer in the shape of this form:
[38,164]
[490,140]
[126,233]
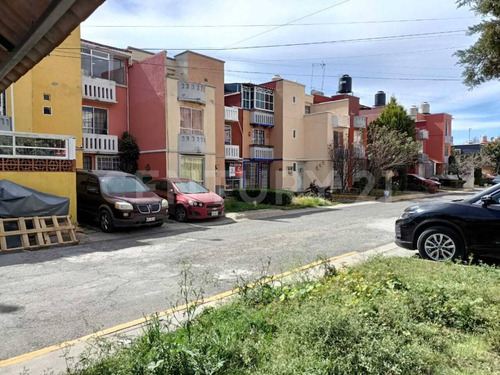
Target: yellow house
[41,124]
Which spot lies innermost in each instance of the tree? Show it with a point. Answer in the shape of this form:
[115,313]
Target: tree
[347,162]
[464,165]
[481,61]
[389,149]
[129,153]
[493,153]
[394,117]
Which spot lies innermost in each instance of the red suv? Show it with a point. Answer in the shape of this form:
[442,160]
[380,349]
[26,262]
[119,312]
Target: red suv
[187,199]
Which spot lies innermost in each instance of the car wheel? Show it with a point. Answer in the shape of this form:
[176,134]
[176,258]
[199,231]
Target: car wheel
[106,221]
[180,214]
[440,244]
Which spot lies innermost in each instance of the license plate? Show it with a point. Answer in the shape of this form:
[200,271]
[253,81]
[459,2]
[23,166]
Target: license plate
[214,213]
[150,219]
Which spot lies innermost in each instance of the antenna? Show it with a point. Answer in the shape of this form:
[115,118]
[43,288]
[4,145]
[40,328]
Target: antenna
[323,65]
[312,75]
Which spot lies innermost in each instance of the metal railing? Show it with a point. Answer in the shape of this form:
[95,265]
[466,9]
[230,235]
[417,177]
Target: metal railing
[262,118]
[423,134]
[102,90]
[423,158]
[231,114]
[232,152]
[262,153]
[360,122]
[100,143]
[37,146]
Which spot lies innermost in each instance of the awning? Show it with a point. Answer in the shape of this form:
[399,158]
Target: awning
[30,30]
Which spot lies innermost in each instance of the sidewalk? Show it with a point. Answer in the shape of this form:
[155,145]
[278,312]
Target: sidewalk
[53,358]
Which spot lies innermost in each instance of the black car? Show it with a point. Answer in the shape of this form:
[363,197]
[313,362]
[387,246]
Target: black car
[451,230]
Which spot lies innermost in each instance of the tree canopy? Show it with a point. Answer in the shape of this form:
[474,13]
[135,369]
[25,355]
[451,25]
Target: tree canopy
[493,152]
[481,61]
[394,117]
[129,153]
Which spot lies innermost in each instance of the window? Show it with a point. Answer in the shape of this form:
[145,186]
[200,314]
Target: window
[192,168]
[102,65]
[47,110]
[420,147]
[46,97]
[308,109]
[251,175]
[258,137]
[338,140]
[447,128]
[294,99]
[358,138]
[3,104]
[108,163]
[87,163]
[191,121]
[95,120]
[294,133]
[294,167]
[257,97]
[446,150]
[227,134]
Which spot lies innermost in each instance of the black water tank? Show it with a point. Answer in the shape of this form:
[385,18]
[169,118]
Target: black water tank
[380,99]
[345,84]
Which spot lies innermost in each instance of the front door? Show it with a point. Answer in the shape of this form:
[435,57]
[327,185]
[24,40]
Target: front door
[483,226]
[300,177]
[264,175]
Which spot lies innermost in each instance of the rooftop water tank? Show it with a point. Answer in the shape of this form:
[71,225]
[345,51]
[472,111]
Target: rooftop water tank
[345,84]
[276,77]
[425,108]
[380,99]
[414,111]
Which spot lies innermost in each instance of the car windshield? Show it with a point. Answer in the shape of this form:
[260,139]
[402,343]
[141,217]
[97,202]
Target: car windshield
[190,187]
[489,191]
[121,185]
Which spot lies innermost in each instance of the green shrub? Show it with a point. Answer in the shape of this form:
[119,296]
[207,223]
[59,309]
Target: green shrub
[264,196]
[455,184]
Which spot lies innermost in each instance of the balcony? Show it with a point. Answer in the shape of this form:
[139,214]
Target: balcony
[191,92]
[262,119]
[423,158]
[423,135]
[5,123]
[360,122]
[261,153]
[232,152]
[446,160]
[100,143]
[98,89]
[192,143]
[341,122]
[448,139]
[37,146]
[358,152]
[231,114]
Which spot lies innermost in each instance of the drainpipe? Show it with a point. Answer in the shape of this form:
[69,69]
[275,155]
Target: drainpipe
[128,102]
[12,108]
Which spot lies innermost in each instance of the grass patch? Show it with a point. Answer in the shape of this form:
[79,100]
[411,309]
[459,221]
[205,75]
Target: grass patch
[306,201]
[387,316]
[237,206]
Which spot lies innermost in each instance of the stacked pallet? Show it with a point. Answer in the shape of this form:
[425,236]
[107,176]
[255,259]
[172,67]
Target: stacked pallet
[27,233]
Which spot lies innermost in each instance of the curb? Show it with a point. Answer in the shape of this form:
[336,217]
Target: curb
[37,362]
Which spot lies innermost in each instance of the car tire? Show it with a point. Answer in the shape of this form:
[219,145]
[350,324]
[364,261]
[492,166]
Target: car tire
[440,244]
[106,221]
[180,214]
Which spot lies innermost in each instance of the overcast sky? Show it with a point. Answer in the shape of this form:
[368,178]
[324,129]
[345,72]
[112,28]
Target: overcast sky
[394,66]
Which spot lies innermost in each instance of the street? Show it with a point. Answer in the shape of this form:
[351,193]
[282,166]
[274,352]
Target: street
[59,294]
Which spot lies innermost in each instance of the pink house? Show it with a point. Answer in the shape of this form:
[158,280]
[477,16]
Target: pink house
[105,95]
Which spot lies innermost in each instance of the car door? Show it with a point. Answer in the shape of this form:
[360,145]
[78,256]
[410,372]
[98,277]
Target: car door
[81,194]
[171,196]
[93,195]
[483,225]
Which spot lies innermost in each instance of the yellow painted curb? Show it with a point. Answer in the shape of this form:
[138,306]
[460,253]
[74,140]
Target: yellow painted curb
[120,327]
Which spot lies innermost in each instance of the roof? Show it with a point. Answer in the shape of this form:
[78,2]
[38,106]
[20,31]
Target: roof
[100,173]
[200,54]
[172,179]
[114,50]
[30,30]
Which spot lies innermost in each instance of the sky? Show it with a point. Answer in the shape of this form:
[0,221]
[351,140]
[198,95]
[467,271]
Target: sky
[414,68]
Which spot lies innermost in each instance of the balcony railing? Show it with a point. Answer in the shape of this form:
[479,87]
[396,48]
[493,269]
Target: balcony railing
[358,152]
[5,123]
[231,114]
[100,143]
[232,152]
[448,139]
[341,121]
[191,92]
[192,143]
[262,119]
[37,146]
[423,158]
[261,153]
[102,90]
[360,122]
[423,134]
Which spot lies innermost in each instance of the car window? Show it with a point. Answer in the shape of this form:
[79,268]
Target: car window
[163,186]
[153,185]
[82,182]
[121,185]
[169,186]
[494,190]
[93,183]
[190,187]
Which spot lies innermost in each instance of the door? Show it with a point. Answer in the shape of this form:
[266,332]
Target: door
[264,175]
[227,134]
[300,177]
[483,226]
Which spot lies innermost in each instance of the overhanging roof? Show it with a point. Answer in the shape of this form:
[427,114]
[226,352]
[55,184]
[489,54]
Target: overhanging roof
[30,30]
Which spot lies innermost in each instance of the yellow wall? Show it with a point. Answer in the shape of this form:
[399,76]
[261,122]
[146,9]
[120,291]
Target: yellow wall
[61,78]
[62,184]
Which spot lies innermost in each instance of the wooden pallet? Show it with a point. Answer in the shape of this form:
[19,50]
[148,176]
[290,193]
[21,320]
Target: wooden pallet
[27,233]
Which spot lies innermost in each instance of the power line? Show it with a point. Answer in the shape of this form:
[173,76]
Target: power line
[271,25]
[288,23]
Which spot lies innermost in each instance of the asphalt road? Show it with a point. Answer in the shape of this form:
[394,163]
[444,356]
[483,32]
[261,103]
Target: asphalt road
[51,296]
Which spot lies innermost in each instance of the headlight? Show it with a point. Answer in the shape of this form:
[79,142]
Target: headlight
[123,206]
[195,204]
[164,203]
[407,214]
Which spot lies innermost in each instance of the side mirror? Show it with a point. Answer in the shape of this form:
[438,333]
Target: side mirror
[487,200]
[172,191]
[93,191]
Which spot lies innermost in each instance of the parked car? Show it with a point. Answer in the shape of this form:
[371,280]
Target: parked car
[118,199]
[451,230]
[496,180]
[187,199]
[421,183]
